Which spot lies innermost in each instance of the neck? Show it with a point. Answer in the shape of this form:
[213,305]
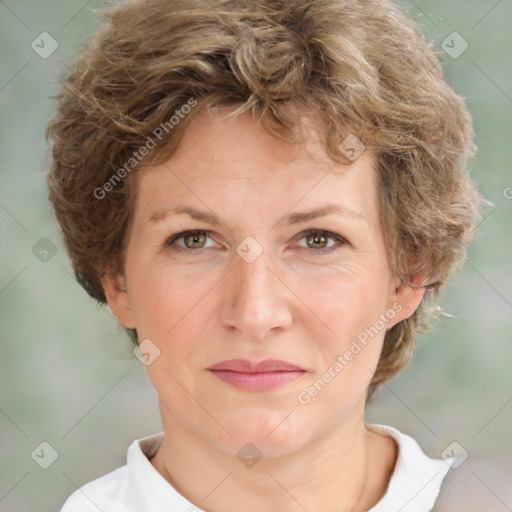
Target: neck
[346,470]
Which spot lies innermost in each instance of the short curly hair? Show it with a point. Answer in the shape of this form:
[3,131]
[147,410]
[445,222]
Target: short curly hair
[362,67]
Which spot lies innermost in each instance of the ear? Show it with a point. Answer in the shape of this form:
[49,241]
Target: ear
[406,299]
[114,286]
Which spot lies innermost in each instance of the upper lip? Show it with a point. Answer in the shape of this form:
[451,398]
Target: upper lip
[245,366]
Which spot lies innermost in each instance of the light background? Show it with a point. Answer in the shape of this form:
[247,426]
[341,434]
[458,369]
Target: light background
[68,376]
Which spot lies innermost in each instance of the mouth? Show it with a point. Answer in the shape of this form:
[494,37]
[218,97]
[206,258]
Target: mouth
[256,376]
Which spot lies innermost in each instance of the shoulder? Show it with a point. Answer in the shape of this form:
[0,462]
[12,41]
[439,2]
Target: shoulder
[420,483]
[416,479]
[104,493]
[477,484]
[133,487]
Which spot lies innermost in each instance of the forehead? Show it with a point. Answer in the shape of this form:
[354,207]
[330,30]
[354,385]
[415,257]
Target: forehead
[227,163]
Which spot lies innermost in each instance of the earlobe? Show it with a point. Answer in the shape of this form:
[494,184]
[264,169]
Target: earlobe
[116,293]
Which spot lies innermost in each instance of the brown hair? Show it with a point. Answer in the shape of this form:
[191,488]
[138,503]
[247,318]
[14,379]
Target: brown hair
[361,66]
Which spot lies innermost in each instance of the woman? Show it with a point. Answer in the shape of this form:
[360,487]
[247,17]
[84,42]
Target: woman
[269,196]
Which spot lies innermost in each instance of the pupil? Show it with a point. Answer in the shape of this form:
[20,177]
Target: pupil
[318,239]
[195,239]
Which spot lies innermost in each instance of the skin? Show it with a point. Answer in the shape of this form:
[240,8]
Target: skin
[293,302]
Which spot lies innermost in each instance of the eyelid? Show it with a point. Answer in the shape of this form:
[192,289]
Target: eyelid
[170,240]
[341,240]
[325,232]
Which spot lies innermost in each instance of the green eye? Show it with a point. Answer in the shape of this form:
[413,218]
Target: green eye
[193,239]
[319,239]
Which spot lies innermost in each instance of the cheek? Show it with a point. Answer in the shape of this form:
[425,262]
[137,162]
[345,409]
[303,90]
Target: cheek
[348,346]
[344,303]
[347,321]
[173,310]
[166,299]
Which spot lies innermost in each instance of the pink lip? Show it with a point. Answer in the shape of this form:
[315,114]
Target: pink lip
[253,376]
[245,366]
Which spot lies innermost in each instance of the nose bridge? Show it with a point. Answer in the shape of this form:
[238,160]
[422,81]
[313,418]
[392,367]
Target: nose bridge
[255,277]
[257,299]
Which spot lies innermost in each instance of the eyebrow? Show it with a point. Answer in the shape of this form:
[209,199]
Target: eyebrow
[290,218]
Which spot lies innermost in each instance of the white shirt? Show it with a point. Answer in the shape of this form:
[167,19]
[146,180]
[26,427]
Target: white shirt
[138,487]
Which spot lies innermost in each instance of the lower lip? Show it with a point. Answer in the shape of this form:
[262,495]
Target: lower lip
[263,381]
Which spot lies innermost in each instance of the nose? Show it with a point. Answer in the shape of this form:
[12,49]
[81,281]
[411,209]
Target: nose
[257,301]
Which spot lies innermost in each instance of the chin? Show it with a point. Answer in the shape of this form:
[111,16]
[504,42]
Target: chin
[273,433]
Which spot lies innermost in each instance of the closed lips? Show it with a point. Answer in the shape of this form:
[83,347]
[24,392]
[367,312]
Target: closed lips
[246,366]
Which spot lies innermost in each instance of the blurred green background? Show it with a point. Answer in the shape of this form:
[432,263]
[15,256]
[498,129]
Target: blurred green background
[68,376]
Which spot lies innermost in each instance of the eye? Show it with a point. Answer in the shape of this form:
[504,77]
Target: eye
[317,240]
[192,239]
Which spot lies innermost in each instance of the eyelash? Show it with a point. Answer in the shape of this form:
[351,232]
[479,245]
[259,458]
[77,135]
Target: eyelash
[326,250]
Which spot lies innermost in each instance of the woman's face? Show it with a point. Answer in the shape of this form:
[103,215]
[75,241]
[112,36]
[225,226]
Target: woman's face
[254,285]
